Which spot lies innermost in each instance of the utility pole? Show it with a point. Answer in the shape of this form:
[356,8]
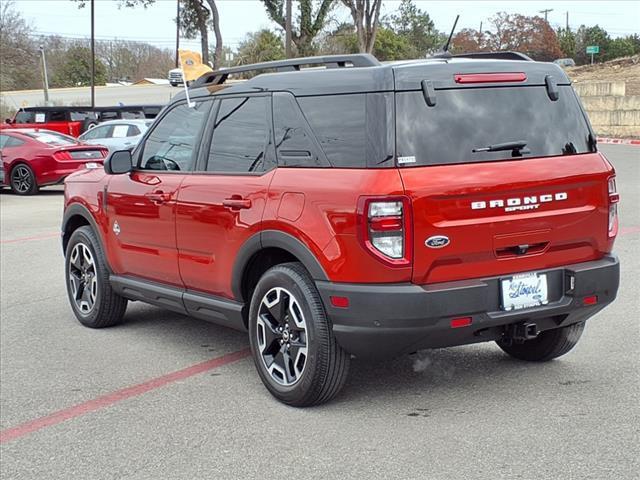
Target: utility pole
[566,25]
[45,79]
[177,33]
[93,57]
[287,29]
[545,13]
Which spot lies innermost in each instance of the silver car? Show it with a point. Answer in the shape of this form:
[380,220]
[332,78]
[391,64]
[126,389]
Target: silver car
[116,134]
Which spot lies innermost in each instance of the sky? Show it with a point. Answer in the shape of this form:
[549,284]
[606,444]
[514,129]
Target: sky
[156,23]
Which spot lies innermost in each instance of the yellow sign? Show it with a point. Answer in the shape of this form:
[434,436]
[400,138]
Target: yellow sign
[192,66]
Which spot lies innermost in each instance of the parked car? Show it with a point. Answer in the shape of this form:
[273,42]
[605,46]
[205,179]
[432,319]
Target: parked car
[363,209]
[68,120]
[34,158]
[565,62]
[76,120]
[116,134]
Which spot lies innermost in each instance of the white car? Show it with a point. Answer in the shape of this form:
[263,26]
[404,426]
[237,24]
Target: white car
[116,134]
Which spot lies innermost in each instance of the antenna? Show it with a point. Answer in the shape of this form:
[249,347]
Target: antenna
[444,52]
[446,45]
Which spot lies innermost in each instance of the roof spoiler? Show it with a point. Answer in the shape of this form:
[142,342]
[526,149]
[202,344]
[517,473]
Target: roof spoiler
[507,55]
[359,60]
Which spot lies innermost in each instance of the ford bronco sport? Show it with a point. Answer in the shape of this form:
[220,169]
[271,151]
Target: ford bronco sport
[362,210]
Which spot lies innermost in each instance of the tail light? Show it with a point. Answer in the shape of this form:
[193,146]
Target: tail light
[385,229]
[62,155]
[614,198]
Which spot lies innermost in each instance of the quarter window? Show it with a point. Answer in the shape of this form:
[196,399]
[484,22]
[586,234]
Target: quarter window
[240,136]
[98,132]
[172,144]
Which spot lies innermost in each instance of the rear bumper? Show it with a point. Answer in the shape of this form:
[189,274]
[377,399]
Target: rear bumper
[392,319]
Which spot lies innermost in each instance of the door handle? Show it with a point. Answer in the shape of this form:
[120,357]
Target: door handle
[158,197]
[236,202]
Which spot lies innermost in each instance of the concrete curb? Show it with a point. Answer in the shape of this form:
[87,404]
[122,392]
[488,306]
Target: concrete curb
[619,141]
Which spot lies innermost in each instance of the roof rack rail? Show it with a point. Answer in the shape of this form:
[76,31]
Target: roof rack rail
[507,55]
[218,77]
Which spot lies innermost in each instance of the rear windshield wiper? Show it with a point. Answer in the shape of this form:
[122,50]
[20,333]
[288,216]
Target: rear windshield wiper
[517,148]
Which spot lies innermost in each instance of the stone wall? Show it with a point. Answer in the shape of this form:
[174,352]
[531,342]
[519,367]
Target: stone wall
[613,113]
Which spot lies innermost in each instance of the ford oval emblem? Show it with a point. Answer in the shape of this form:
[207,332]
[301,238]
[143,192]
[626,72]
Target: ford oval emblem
[437,241]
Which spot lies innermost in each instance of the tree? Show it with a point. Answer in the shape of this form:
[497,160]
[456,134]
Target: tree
[391,46]
[76,71]
[366,18]
[310,23]
[194,21]
[586,36]
[340,41]
[530,35]
[416,27]
[19,56]
[620,47]
[567,42]
[468,40]
[261,46]
[195,18]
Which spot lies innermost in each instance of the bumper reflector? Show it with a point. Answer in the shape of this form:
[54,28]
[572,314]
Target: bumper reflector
[461,322]
[340,302]
[590,300]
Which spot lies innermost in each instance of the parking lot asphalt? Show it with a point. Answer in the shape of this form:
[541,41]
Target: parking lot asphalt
[164,396]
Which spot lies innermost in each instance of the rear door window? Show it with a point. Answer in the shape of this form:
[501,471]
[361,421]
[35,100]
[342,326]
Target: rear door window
[467,119]
[240,136]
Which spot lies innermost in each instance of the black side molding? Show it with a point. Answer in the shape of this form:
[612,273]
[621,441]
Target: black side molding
[220,311]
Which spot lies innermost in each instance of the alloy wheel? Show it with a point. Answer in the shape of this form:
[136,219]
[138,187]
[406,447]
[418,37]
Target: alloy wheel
[21,179]
[282,336]
[83,280]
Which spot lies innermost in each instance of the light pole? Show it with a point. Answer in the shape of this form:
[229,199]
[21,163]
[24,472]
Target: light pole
[93,58]
[177,33]
[45,79]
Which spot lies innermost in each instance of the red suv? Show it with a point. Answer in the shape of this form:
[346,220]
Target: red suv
[360,210]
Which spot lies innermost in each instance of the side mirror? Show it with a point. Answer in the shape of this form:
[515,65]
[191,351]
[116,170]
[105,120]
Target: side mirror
[119,162]
[7,120]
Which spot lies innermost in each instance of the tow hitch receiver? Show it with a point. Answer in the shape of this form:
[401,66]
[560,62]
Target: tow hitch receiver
[520,332]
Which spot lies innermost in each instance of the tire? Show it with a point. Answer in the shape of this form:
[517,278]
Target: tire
[314,368]
[92,299]
[547,345]
[22,180]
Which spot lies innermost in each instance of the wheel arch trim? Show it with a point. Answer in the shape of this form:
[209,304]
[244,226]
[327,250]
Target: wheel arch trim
[74,210]
[273,239]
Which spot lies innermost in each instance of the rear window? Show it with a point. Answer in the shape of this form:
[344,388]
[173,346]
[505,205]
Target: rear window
[474,118]
[52,138]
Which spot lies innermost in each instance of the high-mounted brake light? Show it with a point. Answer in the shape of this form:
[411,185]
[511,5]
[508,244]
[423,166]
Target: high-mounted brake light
[490,77]
[385,228]
[614,198]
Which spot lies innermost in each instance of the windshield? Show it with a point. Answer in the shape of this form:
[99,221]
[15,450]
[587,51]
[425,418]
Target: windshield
[26,117]
[52,138]
[467,124]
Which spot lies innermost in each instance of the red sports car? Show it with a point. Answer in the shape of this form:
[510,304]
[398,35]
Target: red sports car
[35,158]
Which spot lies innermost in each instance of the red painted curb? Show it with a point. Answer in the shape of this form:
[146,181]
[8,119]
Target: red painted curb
[118,396]
[618,141]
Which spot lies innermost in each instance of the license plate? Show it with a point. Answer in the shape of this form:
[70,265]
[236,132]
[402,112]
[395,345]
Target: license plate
[524,291]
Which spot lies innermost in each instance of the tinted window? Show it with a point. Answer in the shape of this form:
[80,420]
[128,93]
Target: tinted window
[3,140]
[294,145]
[173,142]
[13,142]
[466,119]
[133,131]
[81,116]
[98,132]
[25,117]
[132,114]
[240,136]
[353,130]
[58,116]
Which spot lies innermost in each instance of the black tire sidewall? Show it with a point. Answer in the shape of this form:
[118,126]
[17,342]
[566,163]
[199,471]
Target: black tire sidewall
[86,236]
[34,184]
[281,276]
